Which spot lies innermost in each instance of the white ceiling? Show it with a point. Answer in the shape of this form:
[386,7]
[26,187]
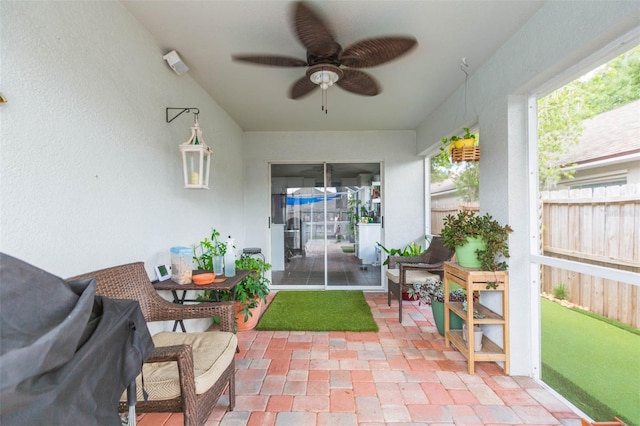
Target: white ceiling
[207,33]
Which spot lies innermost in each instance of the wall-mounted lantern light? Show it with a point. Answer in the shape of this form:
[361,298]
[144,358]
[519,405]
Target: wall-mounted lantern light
[196,155]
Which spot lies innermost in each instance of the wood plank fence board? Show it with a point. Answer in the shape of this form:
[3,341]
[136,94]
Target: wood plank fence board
[599,226]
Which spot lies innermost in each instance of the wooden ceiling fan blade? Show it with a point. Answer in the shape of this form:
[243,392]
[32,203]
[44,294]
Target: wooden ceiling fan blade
[376,51]
[302,87]
[271,60]
[358,82]
[326,61]
[312,32]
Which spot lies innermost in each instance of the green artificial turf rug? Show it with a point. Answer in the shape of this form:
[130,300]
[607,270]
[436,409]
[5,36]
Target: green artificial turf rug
[330,310]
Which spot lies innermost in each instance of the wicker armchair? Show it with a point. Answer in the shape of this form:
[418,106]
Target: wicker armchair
[187,372]
[403,271]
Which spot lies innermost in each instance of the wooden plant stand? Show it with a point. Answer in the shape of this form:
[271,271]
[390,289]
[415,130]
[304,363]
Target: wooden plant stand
[474,280]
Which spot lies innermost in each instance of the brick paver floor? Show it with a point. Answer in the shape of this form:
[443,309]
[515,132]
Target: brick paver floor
[403,374]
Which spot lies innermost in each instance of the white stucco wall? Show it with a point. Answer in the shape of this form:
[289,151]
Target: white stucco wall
[558,37]
[91,172]
[402,173]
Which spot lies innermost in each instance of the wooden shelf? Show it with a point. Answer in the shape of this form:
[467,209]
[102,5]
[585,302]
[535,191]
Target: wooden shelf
[490,317]
[473,280]
[490,350]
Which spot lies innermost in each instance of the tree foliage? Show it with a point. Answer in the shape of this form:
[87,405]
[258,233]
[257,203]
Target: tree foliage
[440,168]
[617,84]
[561,113]
[467,182]
[559,127]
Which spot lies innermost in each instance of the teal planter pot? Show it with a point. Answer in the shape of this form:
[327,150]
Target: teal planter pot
[466,254]
[455,322]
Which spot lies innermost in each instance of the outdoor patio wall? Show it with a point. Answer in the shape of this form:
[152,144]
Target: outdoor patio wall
[557,38]
[402,174]
[91,172]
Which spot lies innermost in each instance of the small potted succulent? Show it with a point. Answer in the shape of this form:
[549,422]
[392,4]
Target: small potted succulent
[432,293]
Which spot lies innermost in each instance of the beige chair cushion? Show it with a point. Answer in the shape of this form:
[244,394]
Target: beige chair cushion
[212,354]
[411,277]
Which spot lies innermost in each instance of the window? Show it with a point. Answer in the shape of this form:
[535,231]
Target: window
[454,186]
[589,182]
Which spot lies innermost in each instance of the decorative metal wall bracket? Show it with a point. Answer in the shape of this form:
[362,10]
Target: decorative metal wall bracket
[196,111]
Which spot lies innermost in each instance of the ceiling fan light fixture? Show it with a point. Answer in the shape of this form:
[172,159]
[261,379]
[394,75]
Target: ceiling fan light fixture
[324,75]
[324,78]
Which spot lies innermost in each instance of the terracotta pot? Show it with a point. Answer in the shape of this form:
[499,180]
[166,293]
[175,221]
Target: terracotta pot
[252,321]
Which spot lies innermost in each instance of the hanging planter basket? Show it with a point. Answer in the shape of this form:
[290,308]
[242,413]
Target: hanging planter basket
[465,153]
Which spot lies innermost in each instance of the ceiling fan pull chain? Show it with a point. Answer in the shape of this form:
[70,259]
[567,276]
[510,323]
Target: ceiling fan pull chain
[323,94]
[326,102]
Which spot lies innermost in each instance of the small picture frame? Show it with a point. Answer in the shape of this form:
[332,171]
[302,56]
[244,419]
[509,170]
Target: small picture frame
[163,272]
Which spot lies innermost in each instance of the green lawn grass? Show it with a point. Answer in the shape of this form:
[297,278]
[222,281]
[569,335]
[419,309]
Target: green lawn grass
[594,364]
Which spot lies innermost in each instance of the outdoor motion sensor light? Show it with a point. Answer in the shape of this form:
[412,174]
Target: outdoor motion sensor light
[175,62]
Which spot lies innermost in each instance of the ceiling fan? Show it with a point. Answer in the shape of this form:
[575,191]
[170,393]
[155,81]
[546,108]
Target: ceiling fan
[327,63]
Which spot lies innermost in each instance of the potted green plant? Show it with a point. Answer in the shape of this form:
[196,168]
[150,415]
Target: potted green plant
[468,139]
[432,293]
[479,241]
[209,254]
[251,291]
[353,218]
[411,250]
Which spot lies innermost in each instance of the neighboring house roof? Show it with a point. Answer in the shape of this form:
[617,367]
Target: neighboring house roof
[608,135]
[441,188]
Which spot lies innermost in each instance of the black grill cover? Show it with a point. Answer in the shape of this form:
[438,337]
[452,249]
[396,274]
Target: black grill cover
[66,355]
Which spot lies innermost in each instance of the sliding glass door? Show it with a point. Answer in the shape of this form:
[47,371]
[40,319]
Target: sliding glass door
[353,257]
[297,208]
[325,225]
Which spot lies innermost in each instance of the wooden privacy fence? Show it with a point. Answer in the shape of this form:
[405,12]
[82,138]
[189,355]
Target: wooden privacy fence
[599,226]
[438,213]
